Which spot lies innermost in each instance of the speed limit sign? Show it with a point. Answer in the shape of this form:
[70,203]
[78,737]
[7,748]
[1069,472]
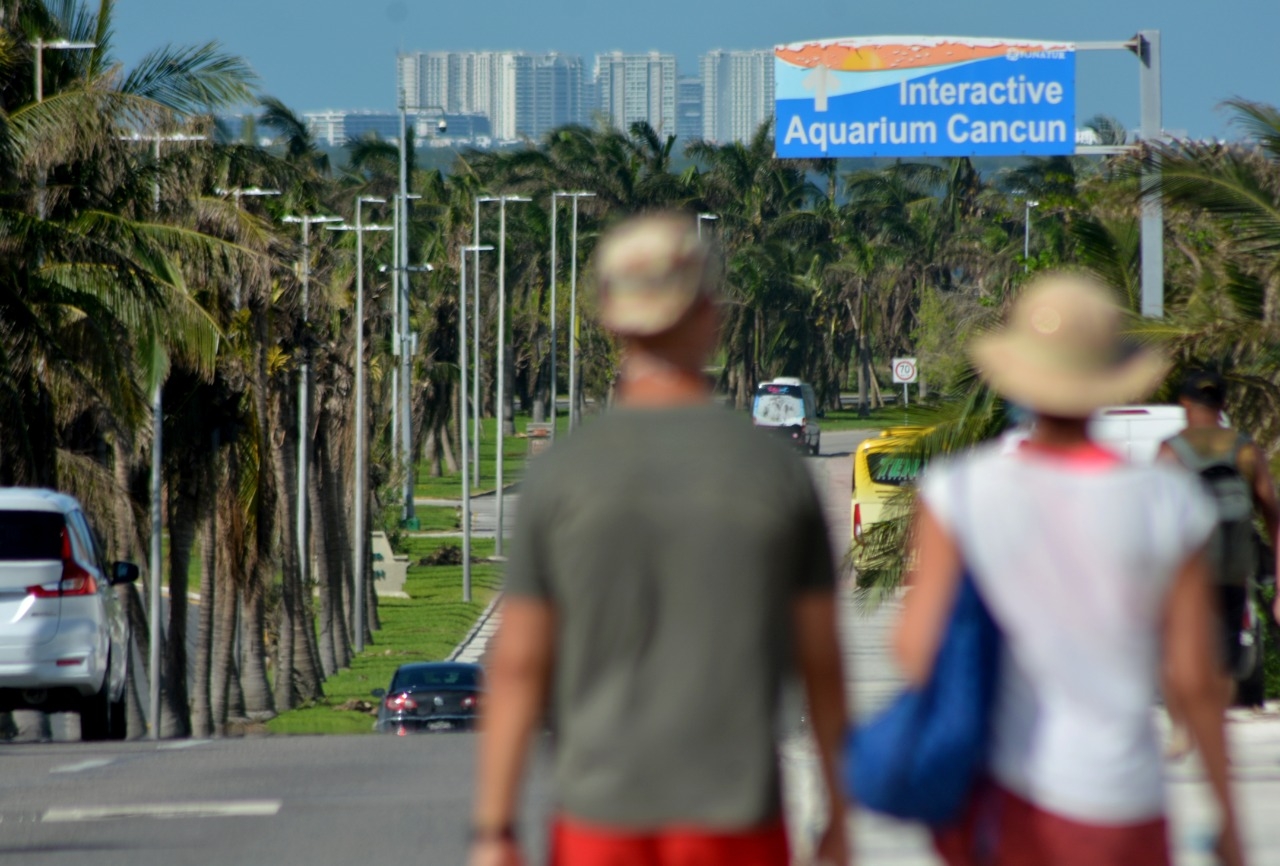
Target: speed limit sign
[904,371]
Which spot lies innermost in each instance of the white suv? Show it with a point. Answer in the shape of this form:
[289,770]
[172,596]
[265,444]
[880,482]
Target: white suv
[64,637]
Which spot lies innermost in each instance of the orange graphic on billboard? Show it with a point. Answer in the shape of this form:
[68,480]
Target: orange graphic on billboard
[871,57]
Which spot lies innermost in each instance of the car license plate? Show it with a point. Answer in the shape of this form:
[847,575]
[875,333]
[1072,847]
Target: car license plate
[439,726]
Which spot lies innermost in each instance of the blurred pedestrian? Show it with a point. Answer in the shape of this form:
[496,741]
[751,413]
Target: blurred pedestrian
[1095,571]
[669,564]
[1236,473]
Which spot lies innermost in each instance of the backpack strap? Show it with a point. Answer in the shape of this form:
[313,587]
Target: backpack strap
[1187,456]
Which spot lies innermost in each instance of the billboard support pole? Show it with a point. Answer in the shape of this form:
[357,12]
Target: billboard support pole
[1148,51]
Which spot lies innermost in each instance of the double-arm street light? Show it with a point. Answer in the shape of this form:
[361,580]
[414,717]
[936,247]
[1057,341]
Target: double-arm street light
[475,249]
[573,304]
[502,347]
[358,558]
[238,193]
[304,391]
[407,343]
[157,440]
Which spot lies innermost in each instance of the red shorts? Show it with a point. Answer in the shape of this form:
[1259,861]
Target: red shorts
[1002,829]
[577,844]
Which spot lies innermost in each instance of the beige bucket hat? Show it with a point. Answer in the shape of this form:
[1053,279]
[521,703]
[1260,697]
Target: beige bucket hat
[649,271]
[1063,351]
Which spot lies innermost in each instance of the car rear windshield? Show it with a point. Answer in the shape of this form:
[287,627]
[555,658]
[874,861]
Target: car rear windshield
[30,535]
[893,469]
[425,678]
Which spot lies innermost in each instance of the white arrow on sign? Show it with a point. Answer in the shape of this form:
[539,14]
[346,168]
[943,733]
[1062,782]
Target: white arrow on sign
[904,371]
[822,82]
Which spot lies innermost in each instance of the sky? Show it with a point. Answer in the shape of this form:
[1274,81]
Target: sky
[316,54]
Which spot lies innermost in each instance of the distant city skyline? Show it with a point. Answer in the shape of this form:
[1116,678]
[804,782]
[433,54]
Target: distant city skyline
[322,55]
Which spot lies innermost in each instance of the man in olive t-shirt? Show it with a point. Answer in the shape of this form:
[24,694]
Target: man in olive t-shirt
[669,564]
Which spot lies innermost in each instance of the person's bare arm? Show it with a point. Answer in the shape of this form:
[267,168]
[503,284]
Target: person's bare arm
[821,669]
[518,674]
[934,577]
[1264,492]
[1193,680]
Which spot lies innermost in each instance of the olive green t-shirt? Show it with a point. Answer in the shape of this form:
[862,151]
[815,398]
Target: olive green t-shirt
[671,543]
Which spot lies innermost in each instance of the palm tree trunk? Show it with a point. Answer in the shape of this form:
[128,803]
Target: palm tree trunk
[137,616]
[183,514]
[324,572]
[224,652]
[286,692]
[259,702]
[202,720]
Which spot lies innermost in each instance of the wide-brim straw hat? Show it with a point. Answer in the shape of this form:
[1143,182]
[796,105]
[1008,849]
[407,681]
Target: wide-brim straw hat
[1064,353]
[649,272]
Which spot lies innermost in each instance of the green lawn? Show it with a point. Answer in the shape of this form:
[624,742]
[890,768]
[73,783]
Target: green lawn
[891,416]
[515,452]
[424,627]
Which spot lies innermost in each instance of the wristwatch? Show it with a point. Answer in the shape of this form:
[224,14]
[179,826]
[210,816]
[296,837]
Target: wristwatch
[502,833]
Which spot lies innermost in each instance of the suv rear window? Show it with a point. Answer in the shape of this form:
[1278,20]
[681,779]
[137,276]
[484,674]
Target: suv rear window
[893,469]
[30,535]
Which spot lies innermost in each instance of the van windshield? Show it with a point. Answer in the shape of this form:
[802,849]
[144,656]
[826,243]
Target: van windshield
[27,535]
[896,470]
[778,405]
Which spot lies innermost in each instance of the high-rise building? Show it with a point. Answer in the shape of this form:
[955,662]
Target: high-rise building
[689,108]
[522,95]
[634,87]
[738,94]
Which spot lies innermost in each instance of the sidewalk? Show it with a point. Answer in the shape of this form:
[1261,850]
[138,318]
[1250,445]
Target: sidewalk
[1254,739]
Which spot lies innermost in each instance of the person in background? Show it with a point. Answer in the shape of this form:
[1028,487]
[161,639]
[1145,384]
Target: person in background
[668,565]
[1236,470]
[1095,571]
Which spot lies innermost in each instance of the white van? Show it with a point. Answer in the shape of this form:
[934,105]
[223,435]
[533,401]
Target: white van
[788,407]
[1135,432]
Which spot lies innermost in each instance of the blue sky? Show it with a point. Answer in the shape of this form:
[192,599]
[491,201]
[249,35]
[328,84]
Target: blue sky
[341,54]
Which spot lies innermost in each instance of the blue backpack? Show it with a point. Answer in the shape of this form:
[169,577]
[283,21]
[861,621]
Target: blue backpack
[919,758]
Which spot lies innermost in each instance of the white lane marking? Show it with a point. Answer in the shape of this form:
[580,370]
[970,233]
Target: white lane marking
[233,809]
[181,744]
[91,764]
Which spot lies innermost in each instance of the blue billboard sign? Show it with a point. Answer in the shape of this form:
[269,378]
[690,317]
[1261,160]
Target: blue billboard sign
[924,96]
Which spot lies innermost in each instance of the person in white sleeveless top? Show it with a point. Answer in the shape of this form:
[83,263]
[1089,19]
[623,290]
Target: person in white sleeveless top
[1095,571]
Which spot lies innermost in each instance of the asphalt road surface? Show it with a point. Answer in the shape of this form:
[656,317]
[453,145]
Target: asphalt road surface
[279,800]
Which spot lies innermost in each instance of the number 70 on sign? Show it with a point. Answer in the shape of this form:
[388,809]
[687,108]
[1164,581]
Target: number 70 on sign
[905,372]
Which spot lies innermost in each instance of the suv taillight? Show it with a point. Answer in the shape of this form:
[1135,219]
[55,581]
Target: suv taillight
[471,702]
[75,579]
[857,522]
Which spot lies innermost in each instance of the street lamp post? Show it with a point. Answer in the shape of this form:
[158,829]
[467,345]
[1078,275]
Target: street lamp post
[1026,235]
[475,348]
[705,217]
[554,211]
[361,422]
[502,353]
[304,393]
[574,416]
[154,564]
[237,193]
[397,335]
[475,249]
[39,46]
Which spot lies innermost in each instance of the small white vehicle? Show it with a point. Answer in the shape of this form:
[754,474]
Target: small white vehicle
[789,408]
[64,637]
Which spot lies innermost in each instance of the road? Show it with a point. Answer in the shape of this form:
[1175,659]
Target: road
[310,800]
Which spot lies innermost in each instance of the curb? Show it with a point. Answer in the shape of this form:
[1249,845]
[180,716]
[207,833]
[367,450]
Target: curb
[480,623]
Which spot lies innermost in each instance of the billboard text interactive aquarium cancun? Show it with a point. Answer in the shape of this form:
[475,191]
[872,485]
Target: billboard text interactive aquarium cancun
[924,96]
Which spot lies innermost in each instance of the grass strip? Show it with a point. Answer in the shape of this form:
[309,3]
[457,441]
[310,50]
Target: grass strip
[424,627]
